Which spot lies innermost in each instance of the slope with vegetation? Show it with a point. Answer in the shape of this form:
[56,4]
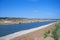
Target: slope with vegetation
[54,33]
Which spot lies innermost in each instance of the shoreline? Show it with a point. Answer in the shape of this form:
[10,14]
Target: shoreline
[20,21]
[11,36]
[37,35]
[24,22]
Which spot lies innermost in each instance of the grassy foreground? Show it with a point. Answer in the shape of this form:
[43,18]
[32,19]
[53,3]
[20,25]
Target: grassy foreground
[54,33]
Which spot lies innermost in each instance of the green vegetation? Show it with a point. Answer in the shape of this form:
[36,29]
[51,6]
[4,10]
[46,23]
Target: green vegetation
[55,34]
[46,34]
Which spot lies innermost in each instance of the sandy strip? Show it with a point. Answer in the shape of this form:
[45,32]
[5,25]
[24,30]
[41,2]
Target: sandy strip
[20,33]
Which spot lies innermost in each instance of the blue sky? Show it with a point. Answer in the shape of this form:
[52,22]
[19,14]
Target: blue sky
[30,8]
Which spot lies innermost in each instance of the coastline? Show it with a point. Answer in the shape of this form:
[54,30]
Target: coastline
[20,21]
[21,33]
[36,35]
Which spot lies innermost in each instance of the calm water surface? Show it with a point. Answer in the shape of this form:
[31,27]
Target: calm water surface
[9,29]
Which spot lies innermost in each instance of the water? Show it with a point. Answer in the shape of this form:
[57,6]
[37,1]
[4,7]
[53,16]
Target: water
[9,29]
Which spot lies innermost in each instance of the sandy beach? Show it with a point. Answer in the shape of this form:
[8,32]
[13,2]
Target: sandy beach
[36,35]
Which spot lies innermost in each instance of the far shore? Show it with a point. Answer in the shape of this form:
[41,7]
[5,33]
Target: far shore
[19,21]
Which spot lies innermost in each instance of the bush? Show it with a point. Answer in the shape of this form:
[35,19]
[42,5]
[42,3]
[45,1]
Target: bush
[46,33]
[55,34]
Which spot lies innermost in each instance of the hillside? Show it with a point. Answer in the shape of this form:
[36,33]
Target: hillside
[6,20]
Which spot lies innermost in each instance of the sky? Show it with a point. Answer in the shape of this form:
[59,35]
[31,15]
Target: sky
[49,9]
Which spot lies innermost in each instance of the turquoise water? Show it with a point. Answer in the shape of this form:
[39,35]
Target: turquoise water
[9,29]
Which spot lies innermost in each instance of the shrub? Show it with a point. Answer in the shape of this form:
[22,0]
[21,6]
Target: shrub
[46,33]
[55,34]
